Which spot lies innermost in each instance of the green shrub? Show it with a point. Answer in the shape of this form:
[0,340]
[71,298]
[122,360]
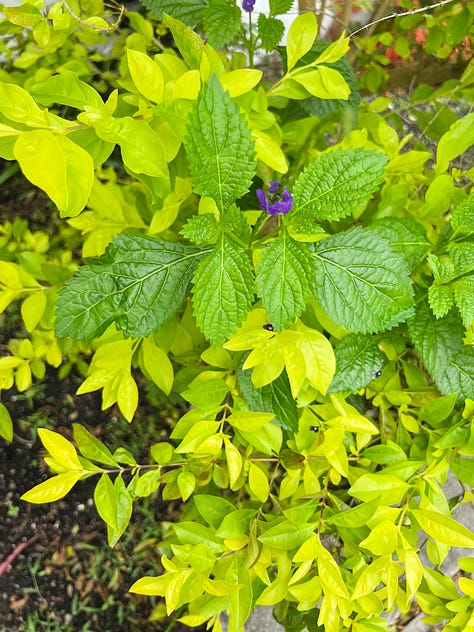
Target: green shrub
[297,278]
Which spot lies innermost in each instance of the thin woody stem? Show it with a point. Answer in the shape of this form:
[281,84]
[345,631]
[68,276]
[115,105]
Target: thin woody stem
[398,15]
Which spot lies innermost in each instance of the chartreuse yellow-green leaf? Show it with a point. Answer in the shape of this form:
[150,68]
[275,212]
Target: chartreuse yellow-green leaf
[146,75]
[53,489]
[300,38]
[444,529]
[6,425]
[60,449]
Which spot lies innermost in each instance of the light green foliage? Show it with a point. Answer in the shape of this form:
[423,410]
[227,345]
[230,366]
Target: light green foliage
[317,371]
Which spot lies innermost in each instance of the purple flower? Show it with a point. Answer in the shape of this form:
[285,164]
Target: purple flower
[275,201]
[247,5]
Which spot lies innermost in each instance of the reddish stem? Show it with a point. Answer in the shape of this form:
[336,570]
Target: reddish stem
[16,551]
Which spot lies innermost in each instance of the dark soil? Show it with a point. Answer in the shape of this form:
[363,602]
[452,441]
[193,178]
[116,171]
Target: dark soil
[67,578]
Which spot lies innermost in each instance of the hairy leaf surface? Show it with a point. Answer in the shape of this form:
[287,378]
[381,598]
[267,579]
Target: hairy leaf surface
[358,358]
[188,11]
[462,220]
[361,284]
[139,283]
[223,291]
[283,277]
[338,183]
[222,22]
[270,31]
[406,236]
[219,147]
[440,345]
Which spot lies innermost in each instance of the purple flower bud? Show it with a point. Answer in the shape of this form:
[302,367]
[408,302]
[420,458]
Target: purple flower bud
[275,201]
[247,5]
[274,186]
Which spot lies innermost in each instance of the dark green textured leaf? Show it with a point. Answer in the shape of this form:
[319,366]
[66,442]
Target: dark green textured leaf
[222,22]
[274,398]
[406,236]
[440,345]
[139,283]
[223,291]
[200,228]
[464,297]
[358,358]
[361,284]
[219,147]
[270,32]
[338,183]
[462,220]
[278,7]
[441,299]
[284,271]
[233,221]
[188,11]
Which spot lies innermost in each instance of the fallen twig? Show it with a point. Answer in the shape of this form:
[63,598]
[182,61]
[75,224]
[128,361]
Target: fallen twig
[16,551]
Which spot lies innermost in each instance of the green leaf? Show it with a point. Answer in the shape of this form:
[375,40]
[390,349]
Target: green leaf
[241,601]
[62,450]
[338,183]
[26,15]
[437,410]
[406,236]
[19,106]
[463,468]
[6,425]
[200,228]
[278,7]
[213,508]
[222,22]
[300,38]
[324,82]
[270,31]
[455,141]
[284,271]
[141,147]
[443,529]
[52,489]
[325,107]
[67,89]
[361,284]
[223,291]
[139,283]
[189,43]
[358,358]
[188,11]
[208,394]
[236,523]
[274,397]
[194,533]
[58,166]
[439,343]
[462,220]
[358,516]
[286,536]
[90,447]
[389,488]
[146,75]
[106,501]
[124,511]
[441,298]
[219,147]
[157,365]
